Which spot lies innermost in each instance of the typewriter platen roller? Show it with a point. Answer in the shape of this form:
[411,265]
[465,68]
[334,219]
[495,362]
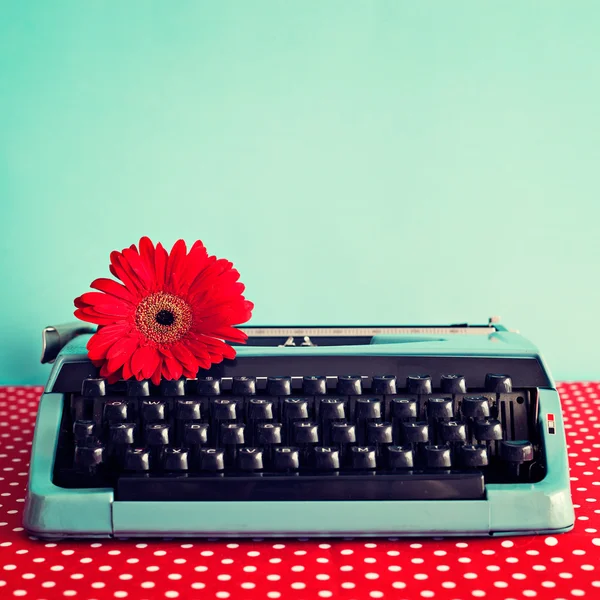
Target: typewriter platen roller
[419,430]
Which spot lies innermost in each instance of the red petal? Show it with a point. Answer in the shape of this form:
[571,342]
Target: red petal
[108,286]
[147,253]
[193,264]
[160,264]
[123,346]
[121,270]
[144,360]
[174,264]
[138,266]
[157,374]
[174,368]
[93,318]
[127,372]
[183,355]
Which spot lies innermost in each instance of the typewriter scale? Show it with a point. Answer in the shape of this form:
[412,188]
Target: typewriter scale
[318,431]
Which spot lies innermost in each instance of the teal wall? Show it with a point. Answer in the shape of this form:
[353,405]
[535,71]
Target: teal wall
[360,162]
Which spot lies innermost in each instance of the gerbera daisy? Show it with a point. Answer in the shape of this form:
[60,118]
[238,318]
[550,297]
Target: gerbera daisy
[171,316]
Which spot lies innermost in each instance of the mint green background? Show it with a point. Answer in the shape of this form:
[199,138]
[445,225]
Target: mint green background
[360,162]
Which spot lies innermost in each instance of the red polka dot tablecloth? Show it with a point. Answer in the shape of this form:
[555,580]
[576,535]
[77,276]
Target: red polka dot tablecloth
[553,567]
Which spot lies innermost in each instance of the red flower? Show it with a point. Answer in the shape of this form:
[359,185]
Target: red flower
[169,318]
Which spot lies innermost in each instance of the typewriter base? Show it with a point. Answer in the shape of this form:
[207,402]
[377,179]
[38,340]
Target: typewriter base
[53,512]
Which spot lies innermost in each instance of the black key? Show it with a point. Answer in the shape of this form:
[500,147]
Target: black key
[349,385]
[379,433]
[138,388]
[415,432]
[115,410]
[195,434]
[208,386]
[295,408]
[286,459]
[518,451]
[224,409]
[314,385]
[418,384]
[453,431]
[82,408]
[488,429]
[439,408]
[259,409]
[157,434]
[122,434]
[279,386]
[437,457]
[499,384]
[93,387]
[453,384]
[343,433]
[268,434]
[137,459]
[212,459]
[384,385]
[305,432]
[326,458]
[331,409]
[250,459]
[232,434]
[243,386]
[153,410]
[515,453]
[175,459]
[404,409]
[367,408]
[232,437]
[175,387]
[473,456]
[88,458]
[400,457]
[363,457]
[475,407]
[84,431]
[188,410]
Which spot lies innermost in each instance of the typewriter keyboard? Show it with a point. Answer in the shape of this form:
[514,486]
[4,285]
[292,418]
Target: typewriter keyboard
[299,438]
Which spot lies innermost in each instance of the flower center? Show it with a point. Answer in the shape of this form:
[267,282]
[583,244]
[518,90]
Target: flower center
[163,318]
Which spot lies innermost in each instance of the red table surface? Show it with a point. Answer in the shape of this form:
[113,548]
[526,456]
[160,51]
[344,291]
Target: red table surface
[562,566]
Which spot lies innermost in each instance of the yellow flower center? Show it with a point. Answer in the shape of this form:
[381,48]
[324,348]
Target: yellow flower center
[163,318]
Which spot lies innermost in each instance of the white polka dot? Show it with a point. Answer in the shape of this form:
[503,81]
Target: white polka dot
[253,553]
[439,553]
[470,575]
[210,553]
[48,584]
[372,575]
[596,541]
[346,568]
[348,551]
[399,585]
[298,585]
[225,561]
[98,585]
[9,567]
[507,544]
[19,593]
[449,585]
[197,585]
[297,568]
[376,594]
[105,568]
[148,584]
[171,594]
[69,593]
[587,567]
[273,594]
[416,561]
[249,568]
[529,593]
[226,595]
[371,560]
[322,576]
[512,559]
[538,568]
[325,594]
[548,584]
[478,593]
[274,577]
[443,568]
[427,594]
[248,585]
[223,577]
[152,568]
[120,594]
[565,575]
[393,553]
[577,592]
[348,585]
[551,541]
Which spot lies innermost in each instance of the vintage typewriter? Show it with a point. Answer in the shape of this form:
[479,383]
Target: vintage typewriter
[316,431]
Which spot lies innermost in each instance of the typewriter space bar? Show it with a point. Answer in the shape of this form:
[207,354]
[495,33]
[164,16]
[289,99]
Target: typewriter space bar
[384,486]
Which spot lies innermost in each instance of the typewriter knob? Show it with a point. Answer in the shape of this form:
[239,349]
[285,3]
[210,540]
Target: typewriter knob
[137,459]
[138,388]
[250,459]
[286,459]
[516,451]
[384,385]
[418,384]
[438,457]
[474,456]
[244,386]
[279,386]
[173,388]
[175,459]
[454,384]
[93,387]
[349,385]
[212,459]
[499,384]
[326,458]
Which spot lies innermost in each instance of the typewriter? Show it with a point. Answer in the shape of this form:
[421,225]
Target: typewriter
[309,431]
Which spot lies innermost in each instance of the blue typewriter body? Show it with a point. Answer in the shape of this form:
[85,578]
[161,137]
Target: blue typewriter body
[310,431]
